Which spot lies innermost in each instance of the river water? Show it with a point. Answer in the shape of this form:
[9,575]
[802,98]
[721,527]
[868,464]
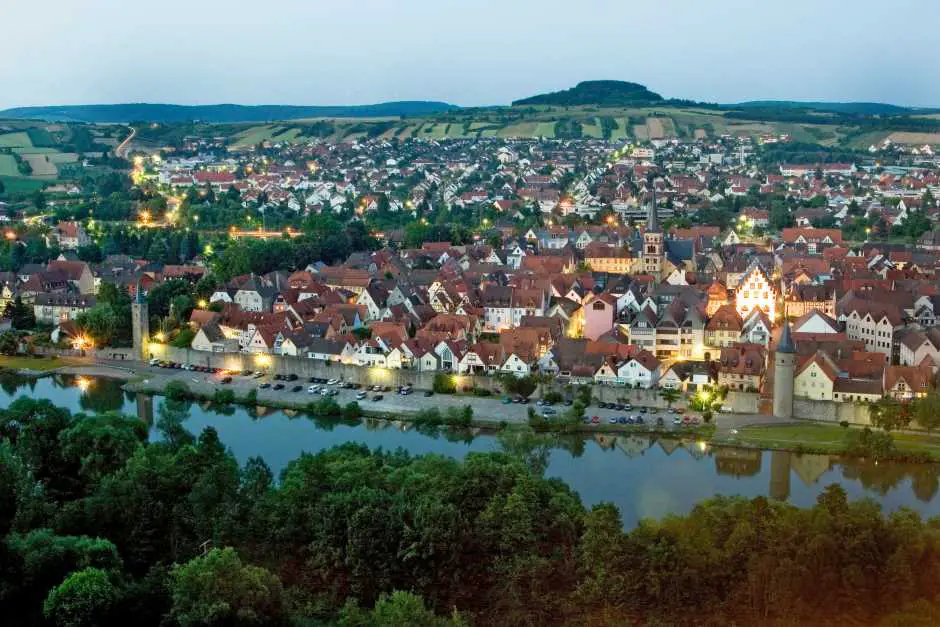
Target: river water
[643,476]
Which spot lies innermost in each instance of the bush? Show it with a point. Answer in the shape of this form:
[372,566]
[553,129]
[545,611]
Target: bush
[428,417]
[459,417]
[554,396]
[184,339]
[251,398]
[325,408]
[352,411]
[868,443]
[177,391]
[224,397]
[482,392]
[444,384]
[844,424]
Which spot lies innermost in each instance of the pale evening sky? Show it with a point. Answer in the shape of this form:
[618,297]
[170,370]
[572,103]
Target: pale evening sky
[468,53]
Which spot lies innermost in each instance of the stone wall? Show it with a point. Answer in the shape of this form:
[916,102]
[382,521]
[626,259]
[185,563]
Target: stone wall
[829,411]
[740,402]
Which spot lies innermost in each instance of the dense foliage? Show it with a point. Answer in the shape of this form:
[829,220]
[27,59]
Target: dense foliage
[604,93]
[98,526]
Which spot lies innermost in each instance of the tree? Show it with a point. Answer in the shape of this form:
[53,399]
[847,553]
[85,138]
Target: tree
[890,414]
[21,315]
[86,597]
[669,395]
[219,589]
[398,609]
[99,323]
[444,383]
[9,343]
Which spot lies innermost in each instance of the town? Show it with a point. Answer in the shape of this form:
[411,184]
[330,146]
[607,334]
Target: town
[681,264]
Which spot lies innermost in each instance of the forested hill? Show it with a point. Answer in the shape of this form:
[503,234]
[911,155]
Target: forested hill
[861,108]
[222,113]
[602,93]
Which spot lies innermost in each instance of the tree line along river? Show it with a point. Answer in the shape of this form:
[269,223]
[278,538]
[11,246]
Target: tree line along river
[643,475]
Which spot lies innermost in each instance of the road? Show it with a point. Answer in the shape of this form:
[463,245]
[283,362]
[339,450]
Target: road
[122,147]
[484,409]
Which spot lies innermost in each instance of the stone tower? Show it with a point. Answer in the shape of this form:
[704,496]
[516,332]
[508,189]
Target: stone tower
[140,324]
[653,241]
[784,366]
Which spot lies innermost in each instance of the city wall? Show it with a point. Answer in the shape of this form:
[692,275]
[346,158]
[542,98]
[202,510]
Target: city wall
[739,402]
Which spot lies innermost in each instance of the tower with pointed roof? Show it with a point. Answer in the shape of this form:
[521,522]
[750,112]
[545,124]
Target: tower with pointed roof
[784,371]
[653,240]
[140,324]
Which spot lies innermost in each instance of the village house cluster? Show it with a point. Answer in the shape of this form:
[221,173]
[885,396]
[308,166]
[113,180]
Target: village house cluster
[622,296]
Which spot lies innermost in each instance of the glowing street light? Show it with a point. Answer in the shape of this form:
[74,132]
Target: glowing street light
[159,336]
[202,303]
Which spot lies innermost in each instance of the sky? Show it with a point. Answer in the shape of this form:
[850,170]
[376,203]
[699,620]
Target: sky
[479,52]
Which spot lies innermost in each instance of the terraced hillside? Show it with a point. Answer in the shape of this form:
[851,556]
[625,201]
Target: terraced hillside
[615,123]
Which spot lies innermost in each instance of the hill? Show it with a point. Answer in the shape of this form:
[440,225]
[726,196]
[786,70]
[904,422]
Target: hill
[223,113]
[859,108]
[601,93]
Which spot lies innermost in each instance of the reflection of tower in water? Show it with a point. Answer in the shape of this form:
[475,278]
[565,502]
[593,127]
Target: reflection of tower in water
[736,462]
[780,475]
[145,408]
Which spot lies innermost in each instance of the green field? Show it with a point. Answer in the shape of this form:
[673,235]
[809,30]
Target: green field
[21,185]
[15,140]
[8,166]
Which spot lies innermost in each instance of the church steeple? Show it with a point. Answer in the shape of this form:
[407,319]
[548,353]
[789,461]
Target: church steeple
[652,219]
[652,239]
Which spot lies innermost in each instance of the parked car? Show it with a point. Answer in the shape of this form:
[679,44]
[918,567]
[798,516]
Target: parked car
[612,420]
[677,421]
[264,386]
[377,398]
[225,380]
[595,419]
[313,389]
[622,420]
[428,393]
[639,420]
[278,386]
[297,388]
[548,411]
[361,395]
[332,381]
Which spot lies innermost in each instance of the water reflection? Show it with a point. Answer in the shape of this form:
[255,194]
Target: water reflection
[643,475]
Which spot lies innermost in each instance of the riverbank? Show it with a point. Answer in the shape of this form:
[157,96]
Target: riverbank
[35,367]
[490,414]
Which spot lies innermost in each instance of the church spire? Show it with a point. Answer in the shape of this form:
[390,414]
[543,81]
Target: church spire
[652,220]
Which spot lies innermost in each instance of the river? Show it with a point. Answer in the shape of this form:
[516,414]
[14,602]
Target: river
[643,476]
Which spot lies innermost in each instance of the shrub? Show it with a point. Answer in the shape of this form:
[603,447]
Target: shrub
[444,384]
[844,424]
[223,397]
[177,390]
[352,411]
[428,417]
[554,396]
[252,397]
[482,392]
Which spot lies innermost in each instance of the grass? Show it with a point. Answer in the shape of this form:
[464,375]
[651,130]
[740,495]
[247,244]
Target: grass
[8,166]
[22,362]
[21,185]
[15,140]
[828,438]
